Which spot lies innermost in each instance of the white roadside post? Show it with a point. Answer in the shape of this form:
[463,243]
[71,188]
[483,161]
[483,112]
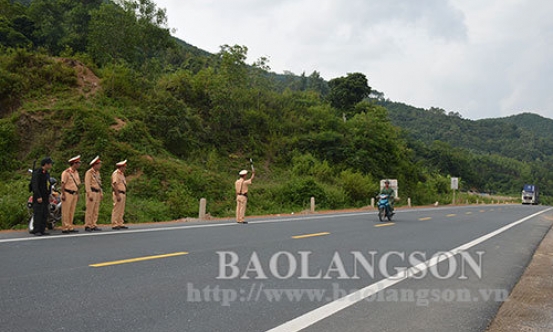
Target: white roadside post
[312,204]
[203,204]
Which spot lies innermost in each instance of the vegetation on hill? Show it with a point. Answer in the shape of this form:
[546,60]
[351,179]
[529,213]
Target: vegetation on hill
[493,155]
[99,77]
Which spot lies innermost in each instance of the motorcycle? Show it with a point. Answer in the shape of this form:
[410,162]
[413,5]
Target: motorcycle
[384,208]
[54,207]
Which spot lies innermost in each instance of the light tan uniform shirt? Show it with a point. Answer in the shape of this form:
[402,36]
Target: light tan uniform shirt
[118,181]
[71,179]
[92,179]
[241,186]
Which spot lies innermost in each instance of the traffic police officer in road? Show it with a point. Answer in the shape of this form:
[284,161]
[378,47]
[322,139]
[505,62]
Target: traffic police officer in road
[70,183]
[241,187]
[119,186]
[94,194]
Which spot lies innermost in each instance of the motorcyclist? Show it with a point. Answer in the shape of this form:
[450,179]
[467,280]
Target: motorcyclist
[391,195]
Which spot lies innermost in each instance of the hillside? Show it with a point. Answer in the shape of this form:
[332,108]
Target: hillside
[186,122]
[524,137]
[489,154]
[120,86]
[541,127]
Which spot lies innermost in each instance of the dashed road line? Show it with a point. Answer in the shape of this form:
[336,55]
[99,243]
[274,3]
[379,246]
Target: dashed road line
[305,236]
[384,225]
[138,259]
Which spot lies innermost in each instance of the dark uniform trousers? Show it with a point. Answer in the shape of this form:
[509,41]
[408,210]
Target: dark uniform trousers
[40,190]
[40,215]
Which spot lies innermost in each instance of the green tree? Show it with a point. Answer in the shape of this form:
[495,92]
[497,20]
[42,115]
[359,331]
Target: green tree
[232,65]
[372,142]
[111,35]
[131,31]
[316,83]
[76,20]
[48,18]
[10,36]
[172,123]
[16,27]
[346,92]
[151,23]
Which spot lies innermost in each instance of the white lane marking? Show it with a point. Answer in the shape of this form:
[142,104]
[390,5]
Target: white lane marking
[172,228]
[331,308]
[228,222]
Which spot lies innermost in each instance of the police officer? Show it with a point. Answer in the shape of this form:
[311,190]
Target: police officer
[241,187]
[94,194]
[41,195]
[70,182]
[119,186]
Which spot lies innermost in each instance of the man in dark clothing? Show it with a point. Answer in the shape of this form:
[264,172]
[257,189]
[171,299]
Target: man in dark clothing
[41,196]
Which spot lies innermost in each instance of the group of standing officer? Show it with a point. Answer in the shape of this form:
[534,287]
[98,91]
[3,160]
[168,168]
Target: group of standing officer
[70,185]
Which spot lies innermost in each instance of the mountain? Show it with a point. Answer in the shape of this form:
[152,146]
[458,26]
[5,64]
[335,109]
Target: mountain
[495,155]
[198,52]
[537,124]
[524,137]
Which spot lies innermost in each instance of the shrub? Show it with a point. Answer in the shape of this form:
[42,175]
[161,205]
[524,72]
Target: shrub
[181,202]
[358,188]
[299,191]
[12,86]
[8,146]
[308,165]
[335,199]
[13,200]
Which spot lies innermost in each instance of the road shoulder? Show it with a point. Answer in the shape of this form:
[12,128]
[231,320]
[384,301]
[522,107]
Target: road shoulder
[530,304]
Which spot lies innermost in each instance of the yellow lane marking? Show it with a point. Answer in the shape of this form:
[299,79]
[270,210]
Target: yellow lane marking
[468,213]
[309,235]
[425,218]
[386,224]
[451,215]
[139,259]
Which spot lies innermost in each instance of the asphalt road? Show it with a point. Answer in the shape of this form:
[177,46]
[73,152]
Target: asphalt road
[279,274]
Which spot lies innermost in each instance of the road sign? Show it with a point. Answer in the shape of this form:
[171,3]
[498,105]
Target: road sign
[454,183]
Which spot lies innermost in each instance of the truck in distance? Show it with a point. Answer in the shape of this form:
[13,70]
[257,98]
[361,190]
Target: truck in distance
[530,194]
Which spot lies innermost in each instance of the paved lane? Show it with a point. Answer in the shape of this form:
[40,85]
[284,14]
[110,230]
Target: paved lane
[172,281]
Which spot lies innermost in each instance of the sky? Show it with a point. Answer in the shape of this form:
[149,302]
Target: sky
[480,58]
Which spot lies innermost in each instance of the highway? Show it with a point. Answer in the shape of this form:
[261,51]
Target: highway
[431,269]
